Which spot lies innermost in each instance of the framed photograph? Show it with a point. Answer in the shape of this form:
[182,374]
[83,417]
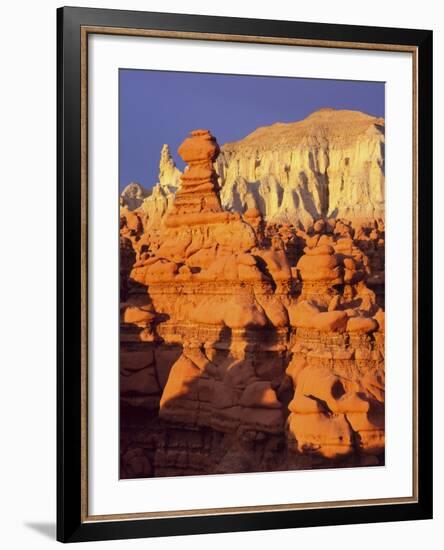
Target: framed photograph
[244,274]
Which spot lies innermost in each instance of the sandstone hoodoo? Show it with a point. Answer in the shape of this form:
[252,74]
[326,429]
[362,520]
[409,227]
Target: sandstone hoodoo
[249,344]
[198,198]
[157,202]
[330,164]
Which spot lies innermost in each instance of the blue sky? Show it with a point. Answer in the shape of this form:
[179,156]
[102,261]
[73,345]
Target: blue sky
[157,107]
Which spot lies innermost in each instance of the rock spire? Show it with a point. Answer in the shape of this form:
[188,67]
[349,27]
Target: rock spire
[197,200]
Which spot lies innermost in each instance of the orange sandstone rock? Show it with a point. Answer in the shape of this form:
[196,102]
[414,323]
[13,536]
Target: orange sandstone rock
[330,321]
[197,200]
[317,433]
[260,395]
[361,324]
[246,343]
[302,314]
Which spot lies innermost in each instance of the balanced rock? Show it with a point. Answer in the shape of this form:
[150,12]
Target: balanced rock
[197,200]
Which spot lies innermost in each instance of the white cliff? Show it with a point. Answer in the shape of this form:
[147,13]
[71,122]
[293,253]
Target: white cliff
[330,164]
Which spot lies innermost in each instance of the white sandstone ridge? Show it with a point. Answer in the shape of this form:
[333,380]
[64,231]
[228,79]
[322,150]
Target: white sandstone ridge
[329,165]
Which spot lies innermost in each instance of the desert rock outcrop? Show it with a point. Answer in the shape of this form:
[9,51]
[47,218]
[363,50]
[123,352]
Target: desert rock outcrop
[156,203]
[330,164]
[133,196]
[247,344]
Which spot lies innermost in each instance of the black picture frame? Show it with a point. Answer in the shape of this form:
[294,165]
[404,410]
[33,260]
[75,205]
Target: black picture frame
[71,524]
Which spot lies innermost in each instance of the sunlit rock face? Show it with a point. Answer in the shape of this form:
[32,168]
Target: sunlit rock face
[329,165]
[246,344]
[161,197]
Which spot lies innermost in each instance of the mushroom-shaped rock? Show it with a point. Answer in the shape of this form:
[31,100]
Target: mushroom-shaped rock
[199,149]
[197,200]
[320,264]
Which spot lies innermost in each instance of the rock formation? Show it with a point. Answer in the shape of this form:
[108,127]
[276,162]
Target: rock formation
[132,196]
[246,344]
[153,205]
[329,165]
[197,200]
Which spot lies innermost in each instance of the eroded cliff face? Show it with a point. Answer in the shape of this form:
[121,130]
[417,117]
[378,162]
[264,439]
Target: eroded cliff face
[329,165]
[247,345]
[155,204]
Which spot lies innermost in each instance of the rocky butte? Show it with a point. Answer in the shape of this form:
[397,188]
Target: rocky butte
[249,344]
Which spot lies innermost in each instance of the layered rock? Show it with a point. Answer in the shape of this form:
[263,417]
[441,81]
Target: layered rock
[330,164]
[197,201]
[246,345]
